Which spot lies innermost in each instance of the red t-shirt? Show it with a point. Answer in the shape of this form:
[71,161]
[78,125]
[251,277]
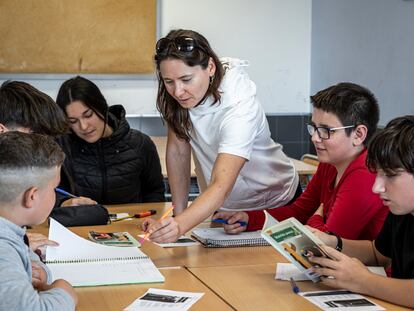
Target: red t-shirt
[351,209]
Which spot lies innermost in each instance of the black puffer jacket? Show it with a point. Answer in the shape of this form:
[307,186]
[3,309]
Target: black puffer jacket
[122,168]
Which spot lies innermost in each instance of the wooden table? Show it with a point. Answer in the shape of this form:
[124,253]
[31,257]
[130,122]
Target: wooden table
[231,278]
[177,277]
[161,143]
[120,296]
[253,287]
[193,256]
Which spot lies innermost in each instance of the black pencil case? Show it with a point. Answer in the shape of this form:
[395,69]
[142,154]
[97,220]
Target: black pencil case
[81,215]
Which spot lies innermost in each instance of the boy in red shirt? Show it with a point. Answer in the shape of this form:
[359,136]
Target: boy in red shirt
[338,198]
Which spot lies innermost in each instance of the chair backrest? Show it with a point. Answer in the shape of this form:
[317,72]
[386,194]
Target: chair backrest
[310,159]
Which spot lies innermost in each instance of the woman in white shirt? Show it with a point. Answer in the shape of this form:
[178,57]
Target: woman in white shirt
[210,107]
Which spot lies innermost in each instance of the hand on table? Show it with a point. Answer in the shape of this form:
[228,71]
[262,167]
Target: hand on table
[233,227]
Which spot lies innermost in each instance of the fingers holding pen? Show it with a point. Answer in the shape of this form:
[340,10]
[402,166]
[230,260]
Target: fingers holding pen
[234,222]
[146,223]
[163,231]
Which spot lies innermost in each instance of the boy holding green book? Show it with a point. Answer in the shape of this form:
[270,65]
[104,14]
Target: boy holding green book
[391,156]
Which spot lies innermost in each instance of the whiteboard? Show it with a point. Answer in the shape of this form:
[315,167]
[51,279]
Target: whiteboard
[274,35]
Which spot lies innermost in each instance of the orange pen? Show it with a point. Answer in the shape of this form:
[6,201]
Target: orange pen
[162,217]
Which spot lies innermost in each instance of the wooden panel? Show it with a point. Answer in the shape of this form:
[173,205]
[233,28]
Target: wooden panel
[77,36]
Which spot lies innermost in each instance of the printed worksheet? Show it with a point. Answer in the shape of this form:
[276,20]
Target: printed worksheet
[181,242]
[161,299]
[340,300]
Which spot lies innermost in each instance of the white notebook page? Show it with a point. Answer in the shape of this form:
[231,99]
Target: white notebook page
[73,247]
[131,265]
[107,273]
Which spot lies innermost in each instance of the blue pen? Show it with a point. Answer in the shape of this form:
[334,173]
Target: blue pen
[61,191]
[295,288]
[222,221]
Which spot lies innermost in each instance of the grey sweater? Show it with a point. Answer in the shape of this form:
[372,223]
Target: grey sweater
[16,289]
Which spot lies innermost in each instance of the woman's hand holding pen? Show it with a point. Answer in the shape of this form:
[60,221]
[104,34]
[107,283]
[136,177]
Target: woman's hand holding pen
[162,231]
[233,219]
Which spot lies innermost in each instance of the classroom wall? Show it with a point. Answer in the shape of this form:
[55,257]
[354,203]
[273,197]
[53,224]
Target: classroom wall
[274,35]
[368,42]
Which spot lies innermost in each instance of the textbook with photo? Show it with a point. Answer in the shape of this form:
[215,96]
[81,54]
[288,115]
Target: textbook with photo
[216,237]
[84,263]
[114,238]
[295,242]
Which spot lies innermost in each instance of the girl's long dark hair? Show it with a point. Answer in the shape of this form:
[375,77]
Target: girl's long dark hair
[84,90]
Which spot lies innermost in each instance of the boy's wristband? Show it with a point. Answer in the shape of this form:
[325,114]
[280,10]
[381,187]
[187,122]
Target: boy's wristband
[338,246]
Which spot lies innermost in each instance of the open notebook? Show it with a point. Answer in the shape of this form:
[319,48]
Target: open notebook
[85,263]
[216,237]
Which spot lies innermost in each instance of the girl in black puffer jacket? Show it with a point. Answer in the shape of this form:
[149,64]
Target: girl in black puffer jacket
[108,161]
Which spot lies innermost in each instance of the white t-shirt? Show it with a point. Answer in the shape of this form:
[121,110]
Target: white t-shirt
[238,126]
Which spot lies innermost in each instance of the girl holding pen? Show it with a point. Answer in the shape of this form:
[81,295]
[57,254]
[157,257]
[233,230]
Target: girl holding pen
[211,108]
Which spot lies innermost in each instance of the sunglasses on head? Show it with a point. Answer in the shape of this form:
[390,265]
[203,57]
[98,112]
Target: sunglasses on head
[181,44]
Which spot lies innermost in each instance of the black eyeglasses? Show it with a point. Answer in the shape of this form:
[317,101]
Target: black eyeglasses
[323,131]
[182,44]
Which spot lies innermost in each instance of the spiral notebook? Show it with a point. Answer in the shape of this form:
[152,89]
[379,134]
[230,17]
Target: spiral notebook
[216,237]
[85,263]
